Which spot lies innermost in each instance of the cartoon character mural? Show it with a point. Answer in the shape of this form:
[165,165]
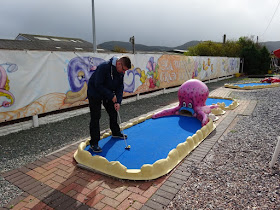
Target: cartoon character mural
[130,88]
[69,88]
[4,85]
[208,68]
[234,64]
[192,98]
[195,71]
[225,65]
[79,71]
[152,73]
[203,68]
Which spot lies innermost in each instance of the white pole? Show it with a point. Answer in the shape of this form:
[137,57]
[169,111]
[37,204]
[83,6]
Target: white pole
[93,29]
[275,154]
[35,121]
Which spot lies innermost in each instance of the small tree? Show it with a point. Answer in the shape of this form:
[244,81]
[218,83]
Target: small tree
[246,41]
[264,59]
[256,57]
[251,56]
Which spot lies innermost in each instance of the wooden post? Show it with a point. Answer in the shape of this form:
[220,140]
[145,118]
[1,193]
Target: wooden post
[132,40]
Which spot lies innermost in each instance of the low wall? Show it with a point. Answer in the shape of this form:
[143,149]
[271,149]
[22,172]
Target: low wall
[36,82]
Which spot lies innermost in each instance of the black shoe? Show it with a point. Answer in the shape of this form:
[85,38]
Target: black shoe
[120,136]
[95,148]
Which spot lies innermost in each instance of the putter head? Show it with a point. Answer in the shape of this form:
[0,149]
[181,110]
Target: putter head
[128,147]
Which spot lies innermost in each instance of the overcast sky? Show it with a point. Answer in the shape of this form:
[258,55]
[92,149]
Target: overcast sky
[153,22]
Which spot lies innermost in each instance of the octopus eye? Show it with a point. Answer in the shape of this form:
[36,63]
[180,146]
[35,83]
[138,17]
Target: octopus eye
[184,104]
[81,75]
[190,105]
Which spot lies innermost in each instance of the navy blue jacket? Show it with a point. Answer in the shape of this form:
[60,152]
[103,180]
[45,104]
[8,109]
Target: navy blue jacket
[106,82]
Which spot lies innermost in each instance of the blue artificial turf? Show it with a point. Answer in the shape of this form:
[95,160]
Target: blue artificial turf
[211,101]
[150,140]
[251,84]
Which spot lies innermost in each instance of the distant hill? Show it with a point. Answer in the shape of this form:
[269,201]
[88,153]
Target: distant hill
[186,45]
[271,46]
[140,47]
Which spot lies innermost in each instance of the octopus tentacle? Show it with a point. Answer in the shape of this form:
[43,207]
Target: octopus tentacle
[8,95]
[167,112]
[207,109]
[203,117]
[3,77]
[72,97]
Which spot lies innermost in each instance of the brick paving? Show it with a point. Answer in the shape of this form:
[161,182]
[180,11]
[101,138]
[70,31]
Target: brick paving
[55,181]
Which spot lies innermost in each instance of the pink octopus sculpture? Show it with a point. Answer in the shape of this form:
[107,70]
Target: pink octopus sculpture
[192,97]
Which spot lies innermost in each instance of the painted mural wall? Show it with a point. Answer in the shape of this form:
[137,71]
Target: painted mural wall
[35,82]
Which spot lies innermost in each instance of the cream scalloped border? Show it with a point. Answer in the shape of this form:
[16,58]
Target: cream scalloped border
[222,106]
[147,171]
[217,111]
[234,86]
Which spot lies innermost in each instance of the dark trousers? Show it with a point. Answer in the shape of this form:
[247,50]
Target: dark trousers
[95,114]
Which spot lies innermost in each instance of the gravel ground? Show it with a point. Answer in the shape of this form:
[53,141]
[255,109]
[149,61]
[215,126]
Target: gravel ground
[235,175]
[232,177]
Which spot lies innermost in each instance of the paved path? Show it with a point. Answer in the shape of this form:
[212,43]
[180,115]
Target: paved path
[55,181]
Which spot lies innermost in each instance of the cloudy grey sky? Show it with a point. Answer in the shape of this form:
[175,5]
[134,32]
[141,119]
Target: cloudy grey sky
[152,22]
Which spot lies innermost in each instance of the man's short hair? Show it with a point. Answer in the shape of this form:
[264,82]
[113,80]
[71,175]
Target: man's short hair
[125,61]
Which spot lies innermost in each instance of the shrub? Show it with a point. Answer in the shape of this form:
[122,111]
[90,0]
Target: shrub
[119,49]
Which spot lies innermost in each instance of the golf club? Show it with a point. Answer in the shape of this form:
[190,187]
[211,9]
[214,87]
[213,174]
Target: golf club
[126,146]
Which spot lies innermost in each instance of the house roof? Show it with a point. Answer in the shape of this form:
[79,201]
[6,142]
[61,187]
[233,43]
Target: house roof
[33,37]
[46,43]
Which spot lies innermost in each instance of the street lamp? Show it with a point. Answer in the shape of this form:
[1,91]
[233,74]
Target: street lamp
[93,29]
